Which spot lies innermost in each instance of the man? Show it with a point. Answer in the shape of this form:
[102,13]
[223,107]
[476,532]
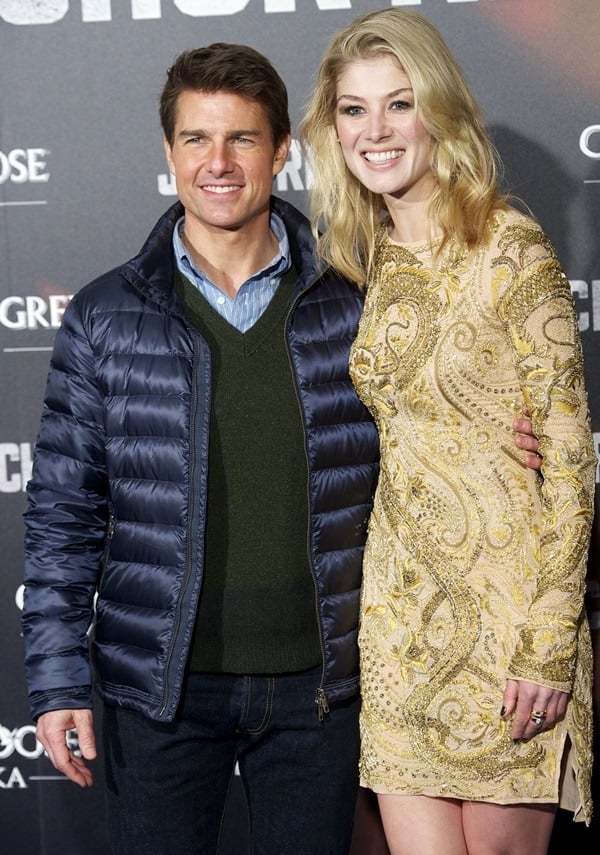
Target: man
[204,465]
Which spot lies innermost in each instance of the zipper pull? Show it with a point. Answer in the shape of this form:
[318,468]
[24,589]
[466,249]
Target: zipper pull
[322,705]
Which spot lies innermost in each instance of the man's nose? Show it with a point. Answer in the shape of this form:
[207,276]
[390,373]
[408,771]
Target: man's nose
[219,159]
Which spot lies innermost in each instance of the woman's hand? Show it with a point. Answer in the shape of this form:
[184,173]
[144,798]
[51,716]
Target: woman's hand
[525,439]
[532,707]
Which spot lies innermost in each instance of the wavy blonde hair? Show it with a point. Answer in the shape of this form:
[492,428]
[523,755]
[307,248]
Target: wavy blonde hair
[463,159]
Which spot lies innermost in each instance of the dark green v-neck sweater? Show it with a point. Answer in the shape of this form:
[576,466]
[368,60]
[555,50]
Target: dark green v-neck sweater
[257,610]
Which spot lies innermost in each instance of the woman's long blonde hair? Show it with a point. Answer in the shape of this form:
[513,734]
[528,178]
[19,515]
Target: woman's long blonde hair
[463,158]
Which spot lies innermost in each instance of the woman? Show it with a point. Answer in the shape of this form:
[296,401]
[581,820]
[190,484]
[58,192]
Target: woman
[475,650]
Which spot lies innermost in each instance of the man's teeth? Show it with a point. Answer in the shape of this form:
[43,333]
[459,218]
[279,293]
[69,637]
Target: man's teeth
[382,156]
[219,188]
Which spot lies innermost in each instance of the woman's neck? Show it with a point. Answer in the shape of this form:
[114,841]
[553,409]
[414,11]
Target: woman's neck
[410,221]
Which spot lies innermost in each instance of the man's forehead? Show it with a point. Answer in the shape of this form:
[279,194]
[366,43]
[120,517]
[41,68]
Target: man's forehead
[206,98]
[219,108]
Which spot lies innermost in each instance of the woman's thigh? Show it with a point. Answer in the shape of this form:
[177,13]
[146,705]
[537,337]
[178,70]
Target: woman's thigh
[429,826]
[521,829]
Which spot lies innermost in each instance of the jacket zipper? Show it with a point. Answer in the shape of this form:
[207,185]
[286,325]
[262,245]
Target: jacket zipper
[110,531]
[189,540]
[320,696]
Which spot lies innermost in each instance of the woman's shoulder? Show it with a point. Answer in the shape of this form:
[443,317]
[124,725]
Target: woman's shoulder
[510,217]
[513,232]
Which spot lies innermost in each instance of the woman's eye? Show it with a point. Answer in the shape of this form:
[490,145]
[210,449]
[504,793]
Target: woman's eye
[352,110]
[401,105]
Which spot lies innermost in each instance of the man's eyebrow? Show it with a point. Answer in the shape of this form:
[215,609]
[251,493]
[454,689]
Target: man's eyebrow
[191,133]
[201,132]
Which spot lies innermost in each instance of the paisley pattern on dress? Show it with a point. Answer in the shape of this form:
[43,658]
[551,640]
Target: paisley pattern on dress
[474,567]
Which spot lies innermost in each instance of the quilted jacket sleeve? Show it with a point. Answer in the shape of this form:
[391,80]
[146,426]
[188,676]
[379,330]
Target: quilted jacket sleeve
[66,521]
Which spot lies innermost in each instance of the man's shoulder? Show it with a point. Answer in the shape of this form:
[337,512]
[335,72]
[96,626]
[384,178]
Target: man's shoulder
[104,286]
[286,209]
[153,261]
[297,225]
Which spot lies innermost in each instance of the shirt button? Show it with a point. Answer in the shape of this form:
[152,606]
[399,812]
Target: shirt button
[220,300]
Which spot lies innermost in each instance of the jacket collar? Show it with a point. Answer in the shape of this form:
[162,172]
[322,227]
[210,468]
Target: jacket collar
[151,270]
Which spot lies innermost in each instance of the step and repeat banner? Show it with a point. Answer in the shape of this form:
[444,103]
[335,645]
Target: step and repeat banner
[83,179]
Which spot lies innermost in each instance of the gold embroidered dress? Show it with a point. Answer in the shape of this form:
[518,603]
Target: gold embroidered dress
[474,567]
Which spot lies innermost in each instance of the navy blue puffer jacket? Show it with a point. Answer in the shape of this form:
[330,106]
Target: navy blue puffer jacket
[116,503]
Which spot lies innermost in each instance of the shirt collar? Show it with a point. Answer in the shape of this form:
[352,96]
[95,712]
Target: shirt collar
[278,265]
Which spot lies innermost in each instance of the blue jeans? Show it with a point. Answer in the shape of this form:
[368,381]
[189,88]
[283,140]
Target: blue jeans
[167,783]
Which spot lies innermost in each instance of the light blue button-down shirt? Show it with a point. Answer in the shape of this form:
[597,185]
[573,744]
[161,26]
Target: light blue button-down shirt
[254,295]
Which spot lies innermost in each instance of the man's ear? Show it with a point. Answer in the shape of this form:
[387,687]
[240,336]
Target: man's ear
[169,155]
[281,155]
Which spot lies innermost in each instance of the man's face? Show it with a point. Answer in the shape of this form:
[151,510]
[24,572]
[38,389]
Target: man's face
[224,161]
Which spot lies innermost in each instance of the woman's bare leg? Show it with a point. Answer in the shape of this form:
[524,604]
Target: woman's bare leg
[423,825]
[523,829]
[439,826]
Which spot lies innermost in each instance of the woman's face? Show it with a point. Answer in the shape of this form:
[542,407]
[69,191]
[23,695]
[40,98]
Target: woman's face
[384,143]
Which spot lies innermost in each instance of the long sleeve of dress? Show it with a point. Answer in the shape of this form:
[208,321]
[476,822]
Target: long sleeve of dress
[537,309]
